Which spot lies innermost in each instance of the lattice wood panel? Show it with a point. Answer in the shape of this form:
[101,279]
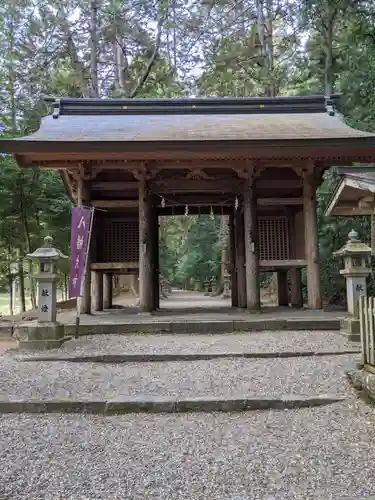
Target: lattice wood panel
[120,241]
[273,238]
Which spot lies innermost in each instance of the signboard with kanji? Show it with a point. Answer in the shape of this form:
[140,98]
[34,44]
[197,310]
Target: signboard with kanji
[79,245]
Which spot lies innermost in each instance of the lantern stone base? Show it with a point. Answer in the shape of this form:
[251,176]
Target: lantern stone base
[41,336]
[350,328]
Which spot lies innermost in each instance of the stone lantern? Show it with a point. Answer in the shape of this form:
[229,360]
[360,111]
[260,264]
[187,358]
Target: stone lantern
[357,266]
[47,332]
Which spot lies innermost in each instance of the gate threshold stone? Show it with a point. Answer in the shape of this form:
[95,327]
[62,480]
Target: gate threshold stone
[205,326]
[148,404]
[139,358]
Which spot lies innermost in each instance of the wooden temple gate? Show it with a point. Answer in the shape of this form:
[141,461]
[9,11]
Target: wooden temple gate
[258,160]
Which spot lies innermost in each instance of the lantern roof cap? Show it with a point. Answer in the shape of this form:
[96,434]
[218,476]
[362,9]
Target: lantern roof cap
[46,253]
[354,246]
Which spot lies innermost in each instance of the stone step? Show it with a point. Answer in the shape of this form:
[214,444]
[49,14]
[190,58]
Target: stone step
[147,404]
[204,326]
[167,357]
[220,377]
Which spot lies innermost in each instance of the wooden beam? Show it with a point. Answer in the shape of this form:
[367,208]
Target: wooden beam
[282,264]
[115,203]
[198,202]
[194,210]
[279,202]
[279,184]
[186,185]
[114,186]
[114,266]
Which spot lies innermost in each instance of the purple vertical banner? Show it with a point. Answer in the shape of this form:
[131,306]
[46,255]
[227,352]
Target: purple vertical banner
[79,243]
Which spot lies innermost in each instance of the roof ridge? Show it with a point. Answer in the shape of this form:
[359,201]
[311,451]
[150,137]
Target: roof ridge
[213,105]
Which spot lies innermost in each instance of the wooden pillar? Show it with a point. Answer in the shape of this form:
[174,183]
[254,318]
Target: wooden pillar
[240,259]
[251,247]
[232,253]
[98,290]
[155,258]
[282,288]
[107,290]
[311,241]
[145,253]
[296,288]
[373,232]
[85,301]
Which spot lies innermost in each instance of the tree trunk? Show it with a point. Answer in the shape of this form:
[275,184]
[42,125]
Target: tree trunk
[270,49]
[94,49]
[260,25]
[143,78]
[122,66]
[77,64]
[11,294]
[21,281]
[25,223]
[328,72]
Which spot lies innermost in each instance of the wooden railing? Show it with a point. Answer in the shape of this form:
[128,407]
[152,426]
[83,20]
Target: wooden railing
[367,328]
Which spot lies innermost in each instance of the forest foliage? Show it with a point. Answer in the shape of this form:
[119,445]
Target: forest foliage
[172,48]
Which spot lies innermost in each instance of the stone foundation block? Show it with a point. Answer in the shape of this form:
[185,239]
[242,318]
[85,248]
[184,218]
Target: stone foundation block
[350,328]
[41,336]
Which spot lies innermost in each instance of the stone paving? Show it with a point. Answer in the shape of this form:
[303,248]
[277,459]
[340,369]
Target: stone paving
[184,306]
[222,377]
[324,453]
[228,378]
[317,453]
[256,342]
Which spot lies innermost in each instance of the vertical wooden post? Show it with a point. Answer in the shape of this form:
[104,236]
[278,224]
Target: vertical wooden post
[296,299]
[107,290]
[371,331]
[98,290]
[373,232]
[251,247]
[282,288]
[362,327]
[240,259]
[232,252]
[155,257]
[145,264]
[157,262]
[84,198]
[296,287]
[311,241]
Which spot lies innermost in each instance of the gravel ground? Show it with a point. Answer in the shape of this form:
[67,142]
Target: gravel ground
[235,342]
[220,377]
[324,453]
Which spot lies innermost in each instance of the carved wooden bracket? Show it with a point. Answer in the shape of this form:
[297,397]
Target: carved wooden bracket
[144,172]
[198,174]
[249,169]
[308,169]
